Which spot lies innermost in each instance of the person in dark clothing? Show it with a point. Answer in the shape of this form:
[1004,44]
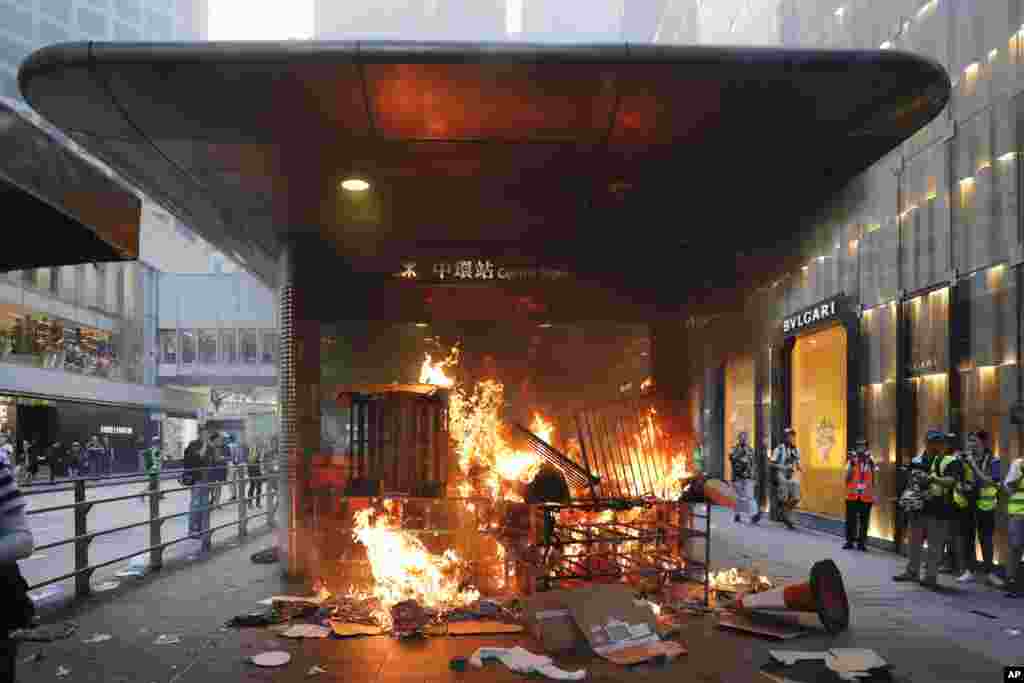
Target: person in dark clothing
[16,543]
[219,467]
[255,459]
[97,456]
[32,454]
[55,458]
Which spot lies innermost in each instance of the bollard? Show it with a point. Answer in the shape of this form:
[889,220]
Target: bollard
[83,575]
[156,555]
[241,476]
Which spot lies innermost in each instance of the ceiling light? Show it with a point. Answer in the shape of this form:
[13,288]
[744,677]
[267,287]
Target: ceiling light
[355,185]
[422,324]
[544,325]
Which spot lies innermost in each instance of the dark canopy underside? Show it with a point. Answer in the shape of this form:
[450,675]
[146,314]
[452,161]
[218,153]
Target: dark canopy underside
[59,210]
[645,168]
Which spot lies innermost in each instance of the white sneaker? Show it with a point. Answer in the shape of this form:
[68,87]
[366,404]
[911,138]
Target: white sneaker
[994,580]
[966,577]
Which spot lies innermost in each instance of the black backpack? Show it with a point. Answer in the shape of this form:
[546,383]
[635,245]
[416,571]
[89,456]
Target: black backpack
[191,462]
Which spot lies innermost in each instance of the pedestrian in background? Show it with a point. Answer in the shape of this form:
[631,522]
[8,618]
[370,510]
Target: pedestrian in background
[255,458]
[785,463]
[1014,486]
[744,476]
[110,454]
[32,454]
[75,459]
[96,455]
[861,471]
[987,470]
[55,459]
[218,468]
[194,474]
[16,543]
[6,450]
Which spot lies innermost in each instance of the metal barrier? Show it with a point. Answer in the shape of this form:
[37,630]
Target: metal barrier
[82,538]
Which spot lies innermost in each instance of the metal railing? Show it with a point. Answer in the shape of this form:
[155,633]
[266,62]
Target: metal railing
[82,538]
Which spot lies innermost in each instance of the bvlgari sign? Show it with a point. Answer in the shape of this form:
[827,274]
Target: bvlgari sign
[825,311]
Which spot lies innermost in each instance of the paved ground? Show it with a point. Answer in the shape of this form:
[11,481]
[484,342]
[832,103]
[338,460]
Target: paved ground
[927,636]
[50,527]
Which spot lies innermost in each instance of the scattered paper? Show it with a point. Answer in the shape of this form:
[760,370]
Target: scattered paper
[315,670]
[62,672]
[271,659]
[1012,632]
[523,661]
[313,599]
[791,657]
[106,586]
[853,660]
[165,639]
[307,631]
[98,638]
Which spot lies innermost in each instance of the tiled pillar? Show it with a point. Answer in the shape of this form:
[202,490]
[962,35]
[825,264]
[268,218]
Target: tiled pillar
[299,400]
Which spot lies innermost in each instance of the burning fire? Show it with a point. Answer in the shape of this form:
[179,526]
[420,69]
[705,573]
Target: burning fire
[403,568]
[735,580]
[432,372]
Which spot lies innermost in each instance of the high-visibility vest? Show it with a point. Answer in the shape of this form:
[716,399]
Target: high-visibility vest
[939,466]
[1016,504]
[862,484]
[959,498]
[988,496]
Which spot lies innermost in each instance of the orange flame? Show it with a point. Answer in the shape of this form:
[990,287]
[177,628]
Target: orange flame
[403,568]
[433,372]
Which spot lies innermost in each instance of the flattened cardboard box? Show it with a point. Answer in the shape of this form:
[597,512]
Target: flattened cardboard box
[617,626]
[550,622]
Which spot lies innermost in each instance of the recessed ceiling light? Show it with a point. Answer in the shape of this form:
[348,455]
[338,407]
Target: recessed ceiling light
[544,325]
[422,324]
[355,185]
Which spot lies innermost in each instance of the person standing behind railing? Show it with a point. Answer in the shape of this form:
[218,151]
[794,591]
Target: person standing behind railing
[193,474]
[255,472]
[96,456]
[16,543]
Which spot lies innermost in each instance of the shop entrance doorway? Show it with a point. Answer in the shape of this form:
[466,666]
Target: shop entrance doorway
[819,394]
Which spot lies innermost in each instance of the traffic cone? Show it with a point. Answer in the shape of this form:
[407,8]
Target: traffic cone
[718,492]
[824,595]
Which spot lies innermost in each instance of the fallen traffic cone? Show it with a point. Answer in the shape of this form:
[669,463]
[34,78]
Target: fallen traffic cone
[823,595]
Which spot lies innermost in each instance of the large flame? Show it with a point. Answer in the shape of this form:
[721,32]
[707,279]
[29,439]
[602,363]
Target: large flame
[433,372]
[403,568]
[736,579]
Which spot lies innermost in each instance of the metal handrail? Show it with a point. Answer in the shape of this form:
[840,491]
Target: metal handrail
[82,537]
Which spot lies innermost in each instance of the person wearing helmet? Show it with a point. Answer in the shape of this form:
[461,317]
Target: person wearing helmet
[785,463]
[936,473]
[744,476]
[861,472]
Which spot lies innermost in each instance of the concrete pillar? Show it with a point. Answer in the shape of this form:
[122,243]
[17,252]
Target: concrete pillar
[299,401]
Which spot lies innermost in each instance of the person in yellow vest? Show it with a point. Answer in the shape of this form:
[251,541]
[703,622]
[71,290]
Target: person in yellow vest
[1014,486]
[938,516]
[860,494]
[982,474]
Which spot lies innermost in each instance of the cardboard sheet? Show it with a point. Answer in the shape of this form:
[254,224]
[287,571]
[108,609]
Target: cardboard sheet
[641,653]
[550,622]
[768,629]
[349,630]
[475,628]
[616,624]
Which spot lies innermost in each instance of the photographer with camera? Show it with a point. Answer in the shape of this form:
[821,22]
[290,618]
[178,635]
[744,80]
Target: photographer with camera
[860,494]
[977,497]
[928,502]
[744,476]
[784,463]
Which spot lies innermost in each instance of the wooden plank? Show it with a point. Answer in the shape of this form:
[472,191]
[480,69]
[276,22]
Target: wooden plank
[768,629]
[476,628]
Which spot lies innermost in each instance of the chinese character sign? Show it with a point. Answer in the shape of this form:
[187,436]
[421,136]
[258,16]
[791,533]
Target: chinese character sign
[479,270]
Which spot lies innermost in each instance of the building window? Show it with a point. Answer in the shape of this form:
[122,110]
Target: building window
[188,347]
[207,346]
[169,346]
[250,343]
[228,348]
[270,347]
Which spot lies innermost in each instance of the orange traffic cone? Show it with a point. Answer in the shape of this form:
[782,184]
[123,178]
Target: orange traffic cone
[824,595]
[718,492]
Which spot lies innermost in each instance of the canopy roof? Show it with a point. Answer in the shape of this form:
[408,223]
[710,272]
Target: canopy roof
[59,209]
[648,169]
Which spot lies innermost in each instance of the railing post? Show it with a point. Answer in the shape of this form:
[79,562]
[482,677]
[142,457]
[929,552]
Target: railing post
[156,555]
[83,575]
[241,476]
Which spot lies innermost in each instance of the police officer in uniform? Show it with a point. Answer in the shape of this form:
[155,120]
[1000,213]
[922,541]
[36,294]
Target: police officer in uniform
[744,476]
[860,494]
[785,463]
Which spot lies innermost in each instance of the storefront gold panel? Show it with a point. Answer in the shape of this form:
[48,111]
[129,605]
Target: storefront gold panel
[739,405]
[819,417]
